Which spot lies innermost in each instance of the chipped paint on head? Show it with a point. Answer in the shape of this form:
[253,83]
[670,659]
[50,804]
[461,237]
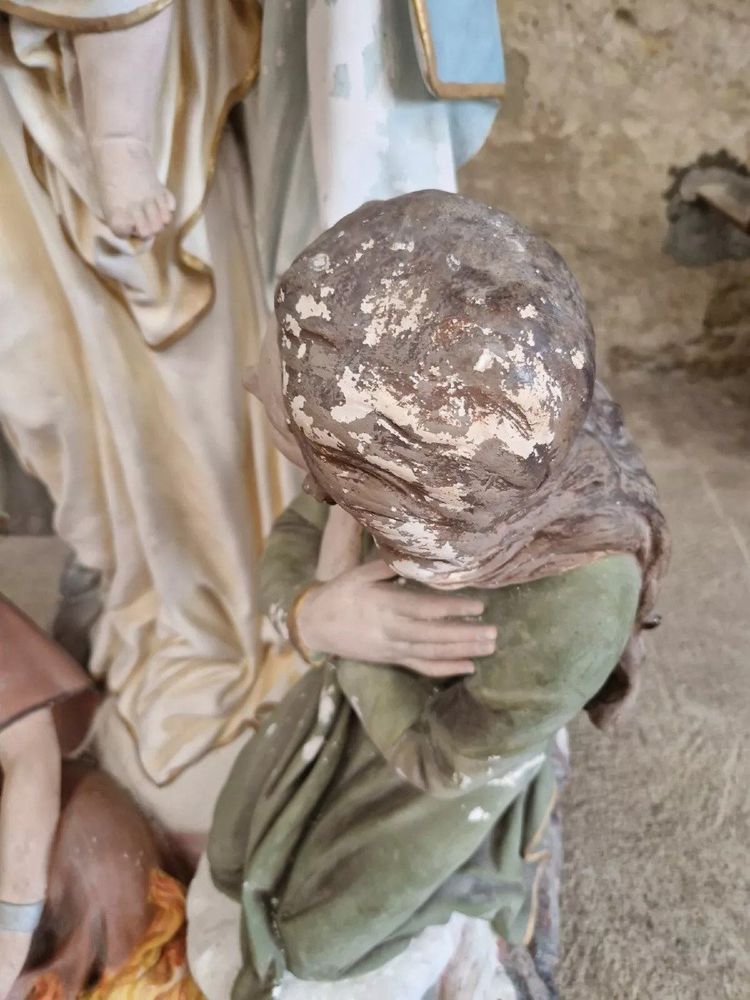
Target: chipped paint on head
[446,383]
[306,424]
[423,540]
[302,350]
[396,312]
[307,307]
[321,262]
[398,469]
[365,395]
[291,325]
[486,360]
[451,497]
[528,311]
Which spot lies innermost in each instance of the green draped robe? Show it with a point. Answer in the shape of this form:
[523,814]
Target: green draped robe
[374,802]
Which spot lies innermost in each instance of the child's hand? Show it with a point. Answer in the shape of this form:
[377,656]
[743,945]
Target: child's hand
[363,615]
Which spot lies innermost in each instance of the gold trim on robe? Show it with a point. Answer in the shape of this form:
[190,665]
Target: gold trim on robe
[166,284]
[69,16]
[442,88]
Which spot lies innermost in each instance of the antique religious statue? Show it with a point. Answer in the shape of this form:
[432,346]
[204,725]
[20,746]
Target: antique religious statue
[435,365]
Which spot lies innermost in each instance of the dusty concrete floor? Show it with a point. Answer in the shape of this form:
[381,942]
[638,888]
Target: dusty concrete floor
[603,99]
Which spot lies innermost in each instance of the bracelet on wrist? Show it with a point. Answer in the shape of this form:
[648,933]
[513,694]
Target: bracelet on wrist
[20,918]
[315,659]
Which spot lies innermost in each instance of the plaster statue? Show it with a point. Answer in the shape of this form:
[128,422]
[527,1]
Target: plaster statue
[86,905]
[438,378]
[121,74]
[121,388]
[33,677]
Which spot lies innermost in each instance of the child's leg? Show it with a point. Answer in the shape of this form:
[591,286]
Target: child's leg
[121,75]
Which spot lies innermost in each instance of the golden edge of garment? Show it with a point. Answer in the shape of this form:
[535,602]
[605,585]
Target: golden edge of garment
[83,24]
[440,88]
[188,262]
[276,665]
[157,968]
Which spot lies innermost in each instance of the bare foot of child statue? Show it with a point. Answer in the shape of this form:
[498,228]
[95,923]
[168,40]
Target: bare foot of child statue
[134,201]
[121,75]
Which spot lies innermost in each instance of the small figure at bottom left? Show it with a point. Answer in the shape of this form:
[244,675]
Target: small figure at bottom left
[86,907]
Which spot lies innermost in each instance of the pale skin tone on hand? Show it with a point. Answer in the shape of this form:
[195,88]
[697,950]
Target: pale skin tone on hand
[121,75]
[359,613]
[29,812]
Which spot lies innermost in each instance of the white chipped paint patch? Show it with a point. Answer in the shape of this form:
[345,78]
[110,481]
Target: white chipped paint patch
[528,311]
[397,469]
[396,310]
[478,815]
[423,540]
[307,307]
[486,360]
[453,262]
[311,749]
[537,400]
[400,245]
[578,358]
[307,425]
[303,420]
[514,778]
[450,496]
[291,325]
[302,350]
[412,570]
[326,708]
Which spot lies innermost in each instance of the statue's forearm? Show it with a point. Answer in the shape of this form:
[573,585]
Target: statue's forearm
[29,812]
[30,806]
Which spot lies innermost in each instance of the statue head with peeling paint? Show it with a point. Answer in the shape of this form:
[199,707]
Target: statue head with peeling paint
[437,366]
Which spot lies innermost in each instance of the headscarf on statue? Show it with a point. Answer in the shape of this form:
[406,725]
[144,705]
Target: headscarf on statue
[460,390]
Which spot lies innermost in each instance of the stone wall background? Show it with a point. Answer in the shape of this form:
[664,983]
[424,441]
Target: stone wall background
[603,98]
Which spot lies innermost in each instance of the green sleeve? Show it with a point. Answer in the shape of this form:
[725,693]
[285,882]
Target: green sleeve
[558,641]
[290,558]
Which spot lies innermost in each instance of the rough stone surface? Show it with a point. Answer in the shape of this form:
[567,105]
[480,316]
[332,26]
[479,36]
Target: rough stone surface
[603,100]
